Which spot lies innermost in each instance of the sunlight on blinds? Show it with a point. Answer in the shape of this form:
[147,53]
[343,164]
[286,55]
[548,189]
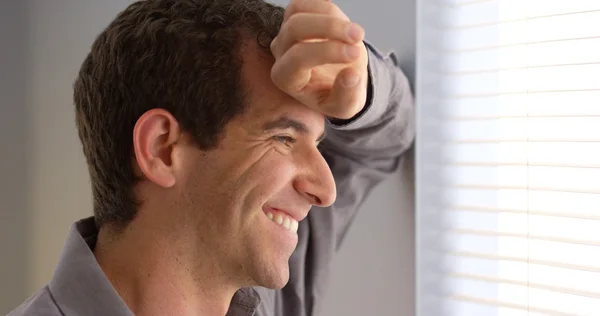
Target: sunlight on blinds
[508,157]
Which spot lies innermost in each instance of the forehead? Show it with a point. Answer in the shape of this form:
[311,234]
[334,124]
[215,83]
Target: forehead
[264,101]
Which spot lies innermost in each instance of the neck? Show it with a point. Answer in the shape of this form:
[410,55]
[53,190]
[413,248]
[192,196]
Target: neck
[156,272]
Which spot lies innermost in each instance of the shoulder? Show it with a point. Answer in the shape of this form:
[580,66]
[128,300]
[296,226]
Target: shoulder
[39,304]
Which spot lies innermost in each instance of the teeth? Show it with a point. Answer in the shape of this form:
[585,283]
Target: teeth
[278,218]
[294,226]
[284,221]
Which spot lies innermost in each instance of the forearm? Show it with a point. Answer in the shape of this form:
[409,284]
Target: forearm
[385,128]
[361,152]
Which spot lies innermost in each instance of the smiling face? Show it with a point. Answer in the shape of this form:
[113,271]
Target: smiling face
[247,195]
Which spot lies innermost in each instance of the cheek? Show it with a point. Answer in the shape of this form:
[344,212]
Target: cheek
[270,176]
[278,168]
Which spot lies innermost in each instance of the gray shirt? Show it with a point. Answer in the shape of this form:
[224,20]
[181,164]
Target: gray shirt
[360,152]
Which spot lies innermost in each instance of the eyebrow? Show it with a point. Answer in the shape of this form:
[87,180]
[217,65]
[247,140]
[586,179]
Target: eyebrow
[285,122]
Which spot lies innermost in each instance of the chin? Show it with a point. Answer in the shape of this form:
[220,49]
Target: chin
[274,277]
[276,283]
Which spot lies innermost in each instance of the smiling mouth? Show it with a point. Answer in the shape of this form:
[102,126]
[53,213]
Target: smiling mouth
[283,220]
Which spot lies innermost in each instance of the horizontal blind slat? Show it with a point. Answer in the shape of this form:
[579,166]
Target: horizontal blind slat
[577,254]
[519,140]
[528,31]
[521,225]
[494,257]
[526,176]
[534,105]
[516,187]
[559,277]
[499,22]
[497,70]
[521,128]
[496,46]
[527,80]
[488,118]
[566,52]
[497,94]
[526,284]
[530,296]
[516,164]
[510,10]
[524,236]
[585,204]
[490,302]
[521,211]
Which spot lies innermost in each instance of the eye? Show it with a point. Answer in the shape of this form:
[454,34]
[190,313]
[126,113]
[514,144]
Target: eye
[285,139]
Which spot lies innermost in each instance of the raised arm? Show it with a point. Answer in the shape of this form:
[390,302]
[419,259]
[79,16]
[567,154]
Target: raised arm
[361,152]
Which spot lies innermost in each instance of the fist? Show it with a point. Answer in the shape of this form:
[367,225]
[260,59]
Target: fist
[320,58]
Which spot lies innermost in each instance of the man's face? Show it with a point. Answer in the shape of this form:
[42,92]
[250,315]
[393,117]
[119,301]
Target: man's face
[247,196]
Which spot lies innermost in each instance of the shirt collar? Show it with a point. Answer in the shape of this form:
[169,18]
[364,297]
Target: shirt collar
[80,287]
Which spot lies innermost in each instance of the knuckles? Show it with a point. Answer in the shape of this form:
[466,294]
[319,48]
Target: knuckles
[328,8]
[292,26]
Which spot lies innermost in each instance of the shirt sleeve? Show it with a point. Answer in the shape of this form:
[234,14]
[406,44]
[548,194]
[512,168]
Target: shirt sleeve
[361,152]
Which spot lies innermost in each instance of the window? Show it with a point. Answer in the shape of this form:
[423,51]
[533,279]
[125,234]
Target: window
[508,157]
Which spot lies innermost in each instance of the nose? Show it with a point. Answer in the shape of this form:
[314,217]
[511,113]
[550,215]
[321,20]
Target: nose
[315,181]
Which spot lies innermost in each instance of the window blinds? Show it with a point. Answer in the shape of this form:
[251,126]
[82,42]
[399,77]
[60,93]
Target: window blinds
[508,157]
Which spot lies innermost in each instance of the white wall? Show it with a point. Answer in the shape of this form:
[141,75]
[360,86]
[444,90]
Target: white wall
[45,184]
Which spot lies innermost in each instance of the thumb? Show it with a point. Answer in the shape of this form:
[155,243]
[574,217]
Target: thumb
[348,95]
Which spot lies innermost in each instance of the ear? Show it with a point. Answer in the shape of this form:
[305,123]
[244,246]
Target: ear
[154,136]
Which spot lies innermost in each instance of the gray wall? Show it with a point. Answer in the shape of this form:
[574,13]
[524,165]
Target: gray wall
[44,185]
[15,146]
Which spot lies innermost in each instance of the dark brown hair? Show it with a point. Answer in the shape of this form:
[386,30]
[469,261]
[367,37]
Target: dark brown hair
[179,55]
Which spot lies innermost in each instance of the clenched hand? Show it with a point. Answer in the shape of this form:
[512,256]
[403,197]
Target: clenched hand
[320,58]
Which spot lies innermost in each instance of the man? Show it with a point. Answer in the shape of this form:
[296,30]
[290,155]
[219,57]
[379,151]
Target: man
[211,128]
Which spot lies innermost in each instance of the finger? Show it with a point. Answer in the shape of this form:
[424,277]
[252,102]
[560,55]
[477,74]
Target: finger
[307,26]
[348,95]
[313,6]
[292,71]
